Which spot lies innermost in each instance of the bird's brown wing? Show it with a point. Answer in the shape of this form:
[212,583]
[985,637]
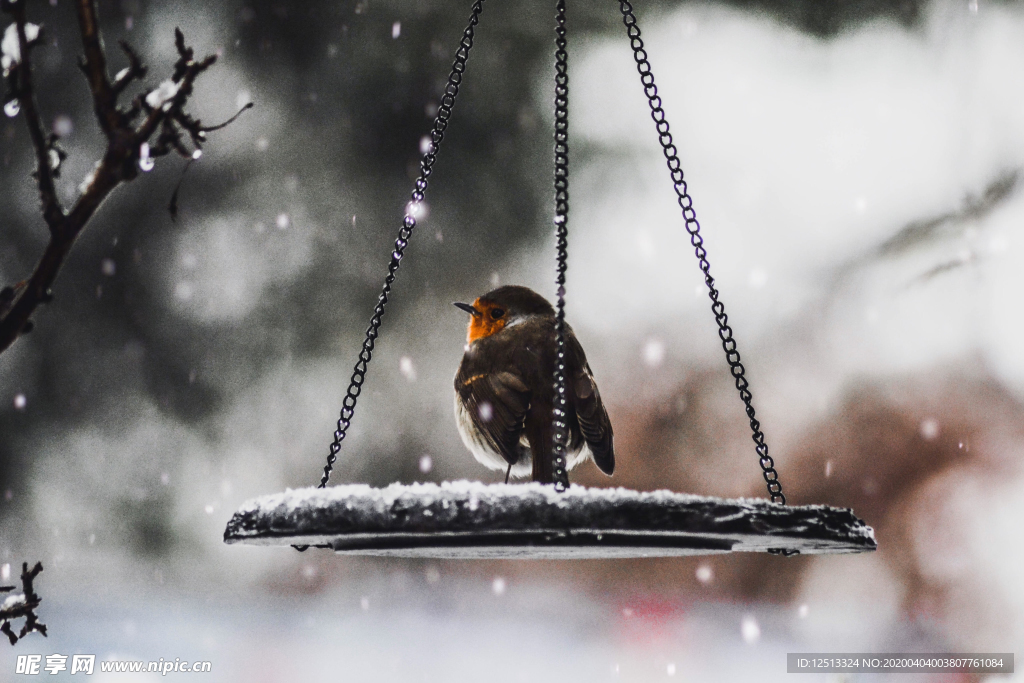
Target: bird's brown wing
[595,425]
[497,403]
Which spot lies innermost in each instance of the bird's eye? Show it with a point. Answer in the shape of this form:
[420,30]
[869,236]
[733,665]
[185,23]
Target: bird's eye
[497,312]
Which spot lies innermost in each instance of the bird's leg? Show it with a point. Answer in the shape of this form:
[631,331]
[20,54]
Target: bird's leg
[508,472]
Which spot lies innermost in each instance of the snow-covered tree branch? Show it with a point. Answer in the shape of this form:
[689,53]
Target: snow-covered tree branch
[152,125]
[22,606]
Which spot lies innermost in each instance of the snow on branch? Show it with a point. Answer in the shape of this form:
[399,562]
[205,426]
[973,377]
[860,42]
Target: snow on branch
[154,124]
[22,606]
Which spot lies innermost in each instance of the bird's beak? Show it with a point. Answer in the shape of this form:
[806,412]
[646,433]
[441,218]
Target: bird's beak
[468,308]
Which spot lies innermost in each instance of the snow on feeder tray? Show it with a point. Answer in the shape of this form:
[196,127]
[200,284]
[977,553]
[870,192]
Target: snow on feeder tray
[462,519]
[473,520]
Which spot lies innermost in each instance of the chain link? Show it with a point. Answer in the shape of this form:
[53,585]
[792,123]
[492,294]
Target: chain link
[560,431]
[732,356]
[444,112]
[561,183]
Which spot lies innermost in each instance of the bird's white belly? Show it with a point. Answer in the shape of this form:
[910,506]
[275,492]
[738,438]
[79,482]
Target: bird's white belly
[491,459]
[478,446]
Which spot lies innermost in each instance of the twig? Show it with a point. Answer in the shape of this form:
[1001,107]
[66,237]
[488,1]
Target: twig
[94,64]
[119,164]
[24,608]
[172,207]
[209,129]
[135,71]
[21,84]
[197,132]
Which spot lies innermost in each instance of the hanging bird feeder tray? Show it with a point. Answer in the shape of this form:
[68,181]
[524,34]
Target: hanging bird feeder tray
[474,520]
[470,520]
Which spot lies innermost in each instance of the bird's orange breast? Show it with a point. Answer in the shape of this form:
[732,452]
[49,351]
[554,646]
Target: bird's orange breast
[483,325]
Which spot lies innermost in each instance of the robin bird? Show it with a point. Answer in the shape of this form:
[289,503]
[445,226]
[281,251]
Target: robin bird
[504,389]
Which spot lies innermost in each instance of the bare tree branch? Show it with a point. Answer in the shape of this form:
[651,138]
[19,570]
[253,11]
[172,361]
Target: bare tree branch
[94,64]
[22,606]
[21,85]
[128,147]
[210,129]
[135,71]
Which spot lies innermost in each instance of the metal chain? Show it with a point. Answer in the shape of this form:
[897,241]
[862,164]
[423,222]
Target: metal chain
[560,432]
[444,112]
[732,356]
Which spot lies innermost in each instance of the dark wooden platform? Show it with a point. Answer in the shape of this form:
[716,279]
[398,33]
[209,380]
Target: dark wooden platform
[472,520]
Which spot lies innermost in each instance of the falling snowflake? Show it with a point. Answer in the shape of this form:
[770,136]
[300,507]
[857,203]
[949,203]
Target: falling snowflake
[654,352]
[750,630]
[63,126]
[417,210]
[407,369]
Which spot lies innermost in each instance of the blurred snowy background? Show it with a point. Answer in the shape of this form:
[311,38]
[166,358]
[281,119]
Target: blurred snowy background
[857,170]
